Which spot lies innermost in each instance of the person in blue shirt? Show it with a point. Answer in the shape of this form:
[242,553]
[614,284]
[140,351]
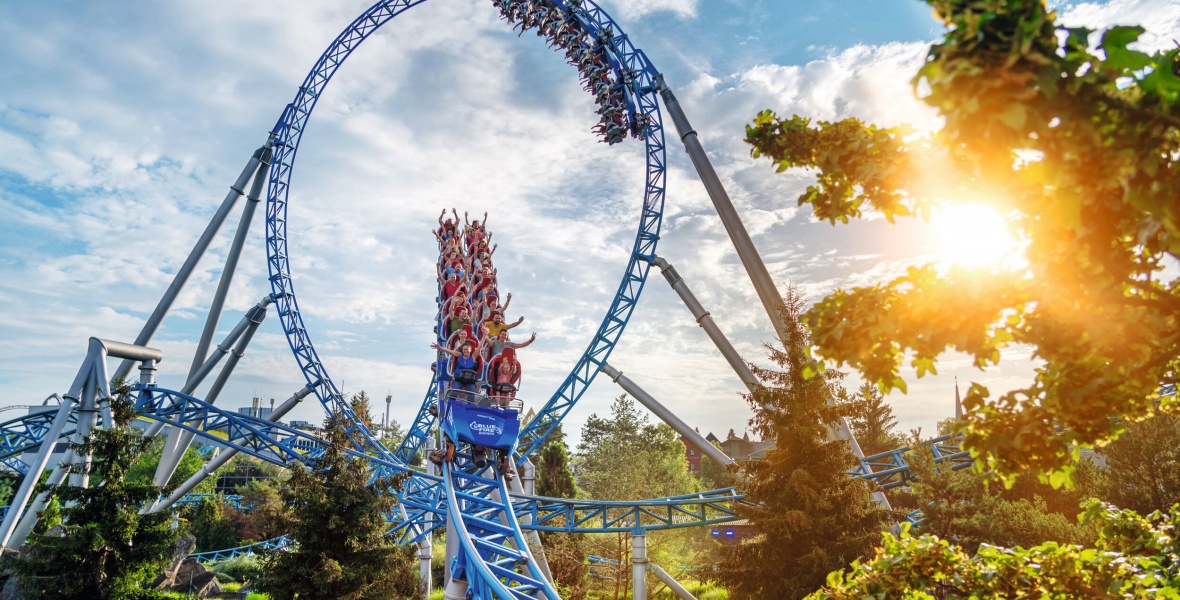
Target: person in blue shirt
[465,366]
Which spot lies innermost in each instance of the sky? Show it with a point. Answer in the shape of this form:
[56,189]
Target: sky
[123,124]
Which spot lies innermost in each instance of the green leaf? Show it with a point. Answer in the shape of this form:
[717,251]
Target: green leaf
[1118,57]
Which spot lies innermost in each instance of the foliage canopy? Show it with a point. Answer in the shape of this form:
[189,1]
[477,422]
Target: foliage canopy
[1134,557]
[337,519]
[105,548]
[1077,146]
[811,515]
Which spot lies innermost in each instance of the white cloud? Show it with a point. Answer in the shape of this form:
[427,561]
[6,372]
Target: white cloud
[1161,19]
[123,137]
[630,10]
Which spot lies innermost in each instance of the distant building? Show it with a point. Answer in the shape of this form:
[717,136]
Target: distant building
[693,454]
[258,412]
[304,425]
[737,448]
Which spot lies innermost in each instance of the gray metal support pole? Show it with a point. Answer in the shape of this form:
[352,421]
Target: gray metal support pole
[528,477]
[87,419]
[194,256]
[672,584]
[768,293]
[425,553]
[91,381]
[639,563]
[531,536]
[764,285]
[48,443]
[454,589]
[216,462]
[222,349]
[231,262]
[666,415]
[705,320]
[31,516]
[182,439]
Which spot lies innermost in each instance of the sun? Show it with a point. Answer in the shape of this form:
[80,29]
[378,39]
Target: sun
[975,235]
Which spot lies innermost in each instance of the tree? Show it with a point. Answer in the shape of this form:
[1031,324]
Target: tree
[105,548]
[8,484]
[626,457]
[554,477]
[812,517]
[566,552]
[212,526]
[1077,147]
[145,467]
[1142,467]
[714,476]
[337,519]
[362,408]
[1134,557]
[263,515]
[962,508]
[872,421]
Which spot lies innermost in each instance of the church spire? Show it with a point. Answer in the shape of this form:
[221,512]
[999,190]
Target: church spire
[958,403]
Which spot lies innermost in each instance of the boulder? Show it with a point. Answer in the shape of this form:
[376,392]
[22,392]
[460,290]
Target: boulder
[167,579]
[189,577]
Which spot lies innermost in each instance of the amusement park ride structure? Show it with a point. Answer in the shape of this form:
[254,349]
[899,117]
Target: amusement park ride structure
[492,548]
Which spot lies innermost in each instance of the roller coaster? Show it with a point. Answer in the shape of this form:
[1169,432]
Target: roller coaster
[485,502]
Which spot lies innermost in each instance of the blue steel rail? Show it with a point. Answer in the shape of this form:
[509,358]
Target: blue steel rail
[687,510]
[24,434]
[630,66]
[422,496]
[493,556]
[212,556]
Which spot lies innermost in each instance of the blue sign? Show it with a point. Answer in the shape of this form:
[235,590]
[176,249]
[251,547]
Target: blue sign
[482,426]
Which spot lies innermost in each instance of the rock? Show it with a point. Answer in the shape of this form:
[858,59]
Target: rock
[184,547]
[189,577]
[203,585]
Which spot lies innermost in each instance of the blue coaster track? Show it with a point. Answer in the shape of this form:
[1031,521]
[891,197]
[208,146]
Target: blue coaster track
[630,68]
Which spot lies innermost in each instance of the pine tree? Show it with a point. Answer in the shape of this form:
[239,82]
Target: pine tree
[105,549]
[554,477]
[566,552]
[211,526]
[337,519]
[362,408]
[872,421]
[813,518]
[627,457]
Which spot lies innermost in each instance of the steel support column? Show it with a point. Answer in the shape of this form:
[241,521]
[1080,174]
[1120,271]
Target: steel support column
[768,294]
[705,320]
[425,553]
[639,564]
[194,256]
[168,462]
[666,415]
[672,584]
[224,456]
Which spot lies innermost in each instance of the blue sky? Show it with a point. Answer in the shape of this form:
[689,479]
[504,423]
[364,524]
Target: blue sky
[121,126]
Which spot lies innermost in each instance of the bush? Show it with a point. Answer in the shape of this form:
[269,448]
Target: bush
[239,568]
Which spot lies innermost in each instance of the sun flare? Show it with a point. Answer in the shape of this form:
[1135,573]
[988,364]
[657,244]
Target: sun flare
[975,235]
